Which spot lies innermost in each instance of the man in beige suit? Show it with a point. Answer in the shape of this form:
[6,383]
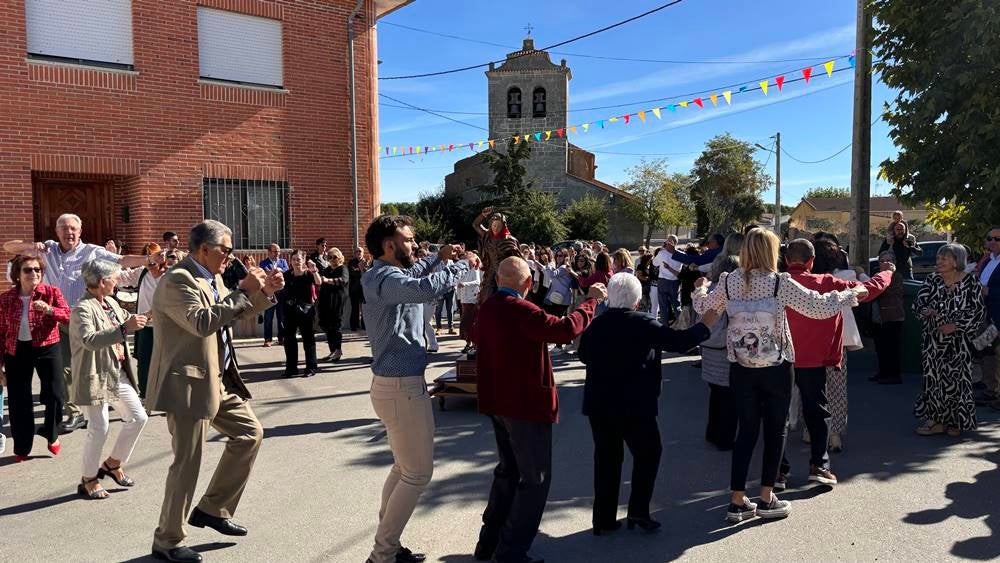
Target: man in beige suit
[194,378]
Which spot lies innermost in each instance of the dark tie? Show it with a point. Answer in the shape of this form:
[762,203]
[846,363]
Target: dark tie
[227,353]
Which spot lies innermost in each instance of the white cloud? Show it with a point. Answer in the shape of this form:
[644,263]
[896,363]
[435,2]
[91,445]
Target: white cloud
[838,40]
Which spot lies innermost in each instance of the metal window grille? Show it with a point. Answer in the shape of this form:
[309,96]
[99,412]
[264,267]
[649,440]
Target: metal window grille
[255,210]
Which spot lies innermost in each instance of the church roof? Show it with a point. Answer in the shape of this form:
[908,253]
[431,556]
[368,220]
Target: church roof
[528,58]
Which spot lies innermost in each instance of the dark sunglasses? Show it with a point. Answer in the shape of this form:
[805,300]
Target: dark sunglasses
[171,257]
[992,239]
[30,270]
[227,250]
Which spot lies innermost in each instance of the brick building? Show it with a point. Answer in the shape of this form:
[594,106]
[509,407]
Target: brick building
[143,116]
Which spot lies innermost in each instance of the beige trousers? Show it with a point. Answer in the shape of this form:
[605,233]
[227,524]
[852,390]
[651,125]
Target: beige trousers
[404,407]
[237,422]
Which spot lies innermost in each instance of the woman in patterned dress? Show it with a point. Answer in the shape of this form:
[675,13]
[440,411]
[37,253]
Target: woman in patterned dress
[495,244]
[951,306]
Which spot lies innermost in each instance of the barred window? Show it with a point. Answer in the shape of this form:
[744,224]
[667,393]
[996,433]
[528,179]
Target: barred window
[256,210]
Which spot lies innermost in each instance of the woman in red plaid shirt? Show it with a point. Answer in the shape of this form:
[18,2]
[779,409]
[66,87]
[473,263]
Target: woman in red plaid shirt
[30,313]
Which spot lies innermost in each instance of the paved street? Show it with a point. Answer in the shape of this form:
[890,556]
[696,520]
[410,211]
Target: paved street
[314,492]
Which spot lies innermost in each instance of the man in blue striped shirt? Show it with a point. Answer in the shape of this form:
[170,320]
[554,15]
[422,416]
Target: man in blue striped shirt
[395,289]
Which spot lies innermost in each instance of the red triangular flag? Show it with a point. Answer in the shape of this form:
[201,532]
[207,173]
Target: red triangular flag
[699,102]
[626,116]
[451,147]
[781,81]
[411,150]
[807,73]
[559,132]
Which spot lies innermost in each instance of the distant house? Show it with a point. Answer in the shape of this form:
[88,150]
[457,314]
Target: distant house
[833,214]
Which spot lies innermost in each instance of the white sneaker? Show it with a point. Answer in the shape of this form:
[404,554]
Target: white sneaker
[3,443]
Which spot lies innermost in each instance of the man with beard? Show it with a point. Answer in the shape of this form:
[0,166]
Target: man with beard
[395,290]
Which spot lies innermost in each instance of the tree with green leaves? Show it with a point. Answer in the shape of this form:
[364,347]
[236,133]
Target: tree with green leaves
[828,191]
[661,199]
[728,185]
[943,60]
[586,219]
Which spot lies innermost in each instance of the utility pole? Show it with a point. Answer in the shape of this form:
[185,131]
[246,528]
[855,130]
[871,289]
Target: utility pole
[777,184]
[861,151]
[776,151]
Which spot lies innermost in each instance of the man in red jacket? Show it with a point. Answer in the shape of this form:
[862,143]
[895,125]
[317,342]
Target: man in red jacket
[518,392]
[818,343]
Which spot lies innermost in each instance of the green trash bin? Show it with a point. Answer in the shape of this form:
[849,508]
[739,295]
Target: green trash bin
[911,329]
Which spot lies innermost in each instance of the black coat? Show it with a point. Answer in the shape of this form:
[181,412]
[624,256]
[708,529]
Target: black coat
[622,351]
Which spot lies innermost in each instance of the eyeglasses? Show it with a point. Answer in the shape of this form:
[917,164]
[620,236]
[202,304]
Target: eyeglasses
[30,270]
[992,239]
[227,250]
[171,257]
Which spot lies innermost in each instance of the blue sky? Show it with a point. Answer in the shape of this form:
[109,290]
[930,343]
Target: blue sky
[814,119]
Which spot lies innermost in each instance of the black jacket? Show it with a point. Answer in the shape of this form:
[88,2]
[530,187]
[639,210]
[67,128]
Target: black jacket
[622,351]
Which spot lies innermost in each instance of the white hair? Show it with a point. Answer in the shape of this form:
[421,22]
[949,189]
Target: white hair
[624,291]
[65,217]
[93,271]
[672,239]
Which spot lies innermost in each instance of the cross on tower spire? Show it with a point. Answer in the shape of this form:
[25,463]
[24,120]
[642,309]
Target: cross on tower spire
[529,28]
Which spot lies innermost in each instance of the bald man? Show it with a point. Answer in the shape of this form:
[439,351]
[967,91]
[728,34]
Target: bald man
[517,391]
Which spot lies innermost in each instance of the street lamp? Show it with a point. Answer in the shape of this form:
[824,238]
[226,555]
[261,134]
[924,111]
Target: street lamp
[777,179]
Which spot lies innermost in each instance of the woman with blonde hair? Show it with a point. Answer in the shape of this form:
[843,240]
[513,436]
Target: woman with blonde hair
[333,300]
[621,261]
[760,352]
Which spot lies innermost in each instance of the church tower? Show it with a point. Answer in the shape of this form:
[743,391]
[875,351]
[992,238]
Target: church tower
[528,94]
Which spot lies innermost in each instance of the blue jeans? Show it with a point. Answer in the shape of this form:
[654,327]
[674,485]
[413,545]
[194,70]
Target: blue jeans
[446,305]
[666,293]
[269,316]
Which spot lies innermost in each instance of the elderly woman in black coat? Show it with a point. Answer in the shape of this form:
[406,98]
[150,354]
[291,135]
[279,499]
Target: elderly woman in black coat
[621,396]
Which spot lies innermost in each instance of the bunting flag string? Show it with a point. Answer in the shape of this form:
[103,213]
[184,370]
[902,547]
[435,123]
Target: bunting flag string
[779,80]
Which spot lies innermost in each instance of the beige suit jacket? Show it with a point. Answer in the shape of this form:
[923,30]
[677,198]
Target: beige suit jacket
[92,337]
[185,378]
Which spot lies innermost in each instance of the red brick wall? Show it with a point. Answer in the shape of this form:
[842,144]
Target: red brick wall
[159,130]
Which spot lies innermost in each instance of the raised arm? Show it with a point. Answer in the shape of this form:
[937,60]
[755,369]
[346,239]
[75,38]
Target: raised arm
[397,287]
[670,340]
[814,304]
[24,247]
[704,301]
[422,266]
[477,223]
[179,298]
[543,327]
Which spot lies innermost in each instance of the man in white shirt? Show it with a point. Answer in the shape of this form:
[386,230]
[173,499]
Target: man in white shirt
[63,263]
[989,277]
[668,286]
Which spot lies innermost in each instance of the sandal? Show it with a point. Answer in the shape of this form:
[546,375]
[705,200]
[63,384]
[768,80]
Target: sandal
[930,428]
[954,431]
[108,471]
[98,494]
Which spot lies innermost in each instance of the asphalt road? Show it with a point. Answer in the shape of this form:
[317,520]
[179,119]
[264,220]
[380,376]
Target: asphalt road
[314,492]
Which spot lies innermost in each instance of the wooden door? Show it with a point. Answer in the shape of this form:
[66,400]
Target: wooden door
[90,199]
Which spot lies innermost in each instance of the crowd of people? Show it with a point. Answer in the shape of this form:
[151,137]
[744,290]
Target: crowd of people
[770,321]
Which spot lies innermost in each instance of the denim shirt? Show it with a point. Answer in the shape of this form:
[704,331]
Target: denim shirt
[394,312]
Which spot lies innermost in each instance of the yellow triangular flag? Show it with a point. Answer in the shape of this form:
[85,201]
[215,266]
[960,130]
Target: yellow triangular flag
[613,119]
[642,116]
[480,145]
[763,86]
[586,127]
[656,112]
[418,150]
[683,104]
[829,67]
[728,96]
[548,135]
[572,129]
[394,149]
[715,99]
[441,148]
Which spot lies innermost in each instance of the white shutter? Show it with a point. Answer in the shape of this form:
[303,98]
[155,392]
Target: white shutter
[239,47]
[92,30]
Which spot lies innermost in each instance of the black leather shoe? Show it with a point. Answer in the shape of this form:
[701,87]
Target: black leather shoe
[484,552]
[72,423]
[179,554]
[224,526]
[406,556]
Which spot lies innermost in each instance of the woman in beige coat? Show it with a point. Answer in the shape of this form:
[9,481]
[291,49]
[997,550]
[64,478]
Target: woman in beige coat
[103,375]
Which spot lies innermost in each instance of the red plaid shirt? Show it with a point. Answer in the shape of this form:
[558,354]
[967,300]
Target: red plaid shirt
[44,328]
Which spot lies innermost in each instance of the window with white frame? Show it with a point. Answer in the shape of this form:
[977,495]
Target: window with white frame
[239,48]
[255,210]
[94,32]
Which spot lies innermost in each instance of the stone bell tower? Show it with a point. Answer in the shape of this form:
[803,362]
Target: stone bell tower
[530,94]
